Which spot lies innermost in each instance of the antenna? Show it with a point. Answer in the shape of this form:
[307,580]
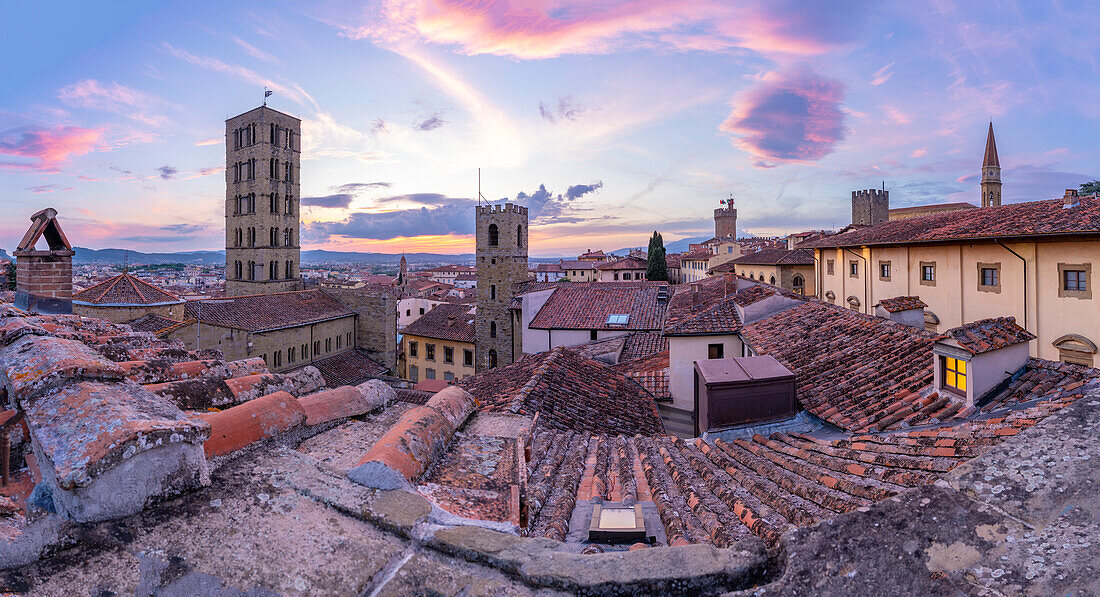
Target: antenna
[480,197]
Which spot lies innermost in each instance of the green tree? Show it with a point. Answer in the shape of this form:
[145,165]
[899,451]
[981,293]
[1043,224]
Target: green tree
[657,268]
[1091,188]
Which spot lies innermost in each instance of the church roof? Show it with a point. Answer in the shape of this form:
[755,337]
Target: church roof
[991,150]
[125,289]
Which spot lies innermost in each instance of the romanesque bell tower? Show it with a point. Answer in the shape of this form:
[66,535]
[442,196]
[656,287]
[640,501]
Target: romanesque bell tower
[501,232]
[725,221]
[991,173]
[262,169]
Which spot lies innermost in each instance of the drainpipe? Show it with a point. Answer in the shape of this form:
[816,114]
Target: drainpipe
[866,275]
[1024,261]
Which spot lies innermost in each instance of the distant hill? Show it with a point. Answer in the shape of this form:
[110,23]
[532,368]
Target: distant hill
[4,255]
[312,257]
[676,246]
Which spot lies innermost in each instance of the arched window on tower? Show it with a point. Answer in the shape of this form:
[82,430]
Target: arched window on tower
[237,270]
[251,270]
[492,358]
[519,236]
[238,237]
[286,237]
[799,284]
[494,234]
[274,237]
[288,270]
[273,270]
[492,329]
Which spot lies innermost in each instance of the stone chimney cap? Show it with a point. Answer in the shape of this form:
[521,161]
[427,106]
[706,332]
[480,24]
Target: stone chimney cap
[45,223]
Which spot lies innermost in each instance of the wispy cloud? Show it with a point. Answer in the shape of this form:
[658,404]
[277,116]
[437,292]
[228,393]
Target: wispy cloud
[291,90]
[566,109]
[47,188]
[343,195]
[255,52]
[882,75]
[210,141]
[167,172]
[791,117]
[432,122]
[136,105]
[47,148]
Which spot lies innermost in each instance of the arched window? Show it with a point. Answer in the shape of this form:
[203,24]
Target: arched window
[274,205]
[1076,349]
[286,238]
[492,329]
[771,280]
[494,235]
[761,277]
[830,295]
[251,270]
[238,237]
[274,237]
[237,269]
[288,270]
[853,303]
[273,270]
[252,237]
[519,235]
[799,284]
[287,205]
[931,320]
[492,358]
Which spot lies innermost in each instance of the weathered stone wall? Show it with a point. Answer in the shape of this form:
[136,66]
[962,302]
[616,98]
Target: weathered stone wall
[257,148]
[870,207]
[376,328]
[725,222]
[499,268]
[128,314]
[239,344]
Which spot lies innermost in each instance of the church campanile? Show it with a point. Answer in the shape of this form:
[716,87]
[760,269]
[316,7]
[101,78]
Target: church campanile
[991,173]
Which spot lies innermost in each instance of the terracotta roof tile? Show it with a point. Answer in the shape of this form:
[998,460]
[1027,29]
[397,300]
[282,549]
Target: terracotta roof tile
[154,324]
[777,256]
[901,303]
[623,263]
[1033,218]
[710,311]
[262,312]
[988,334]
[348,368]
[444,322]
[588,306]
[567,391]
[125,289]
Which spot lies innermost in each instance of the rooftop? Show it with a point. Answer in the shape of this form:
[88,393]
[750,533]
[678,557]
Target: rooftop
[901,303]
[263,312]
[630,263]
[125,290]
[1014,220]
[709,311]
[588,306]
[988,334]
[777,256]
[453,322]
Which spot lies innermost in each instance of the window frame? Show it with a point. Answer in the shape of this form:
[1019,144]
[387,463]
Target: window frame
[947,373]
[1064,269]
[413,349]
[853,268]
[830,267]
[923,281]
[995,286]
[467,357]
[449,354]
[429,351]
[716,351]
[885,270]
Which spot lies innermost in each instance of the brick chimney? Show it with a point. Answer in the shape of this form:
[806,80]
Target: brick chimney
[1071,198]
[44,279]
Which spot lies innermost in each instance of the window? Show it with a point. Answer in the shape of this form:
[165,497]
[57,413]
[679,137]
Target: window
[928,273]
[884,270]
[273,270]
[467,358]
[492,359]
[316,347]
[830,295]
[429,352]
[288,271]
[429,374]
[288,205]
[238,267]
[448,354]
[1075,349]
[328,344]
[251,270]
[799,284]
[492,329]
[305,351]
[421,310]
[349,338]
[771,280]
[274,205]
[414,375]
[291,354]
[618,319]
[954,373]
[715,351]
[829,266]
[853,303]
[494,235]
[853,269]
[592,335]
[408,312]
[447,375]
[287,237]
[412,349]
[278,358]
[493,292]
[1074,280]
[626,275]
[274,237]
[339,342]
[989,277]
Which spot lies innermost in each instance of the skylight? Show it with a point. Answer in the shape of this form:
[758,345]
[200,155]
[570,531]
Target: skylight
[618,319]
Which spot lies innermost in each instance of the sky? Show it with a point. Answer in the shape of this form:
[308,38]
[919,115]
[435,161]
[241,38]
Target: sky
[607,119]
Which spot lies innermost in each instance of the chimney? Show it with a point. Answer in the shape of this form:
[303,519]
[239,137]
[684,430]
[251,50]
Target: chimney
[730,282]
[694,295]
[1070,199]
[44,278]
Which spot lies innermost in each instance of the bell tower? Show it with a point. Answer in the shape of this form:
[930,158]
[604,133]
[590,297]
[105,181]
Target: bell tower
[501,253]
[991,173]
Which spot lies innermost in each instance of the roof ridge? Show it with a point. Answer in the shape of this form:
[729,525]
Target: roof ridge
[136,288]
[536,377]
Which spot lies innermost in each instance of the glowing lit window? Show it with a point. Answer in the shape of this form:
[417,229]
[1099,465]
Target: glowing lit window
[954,374]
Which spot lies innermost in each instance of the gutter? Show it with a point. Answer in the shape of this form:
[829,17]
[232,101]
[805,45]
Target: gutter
[1024,261]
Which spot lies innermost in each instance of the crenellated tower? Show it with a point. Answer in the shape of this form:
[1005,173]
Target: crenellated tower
[501,253]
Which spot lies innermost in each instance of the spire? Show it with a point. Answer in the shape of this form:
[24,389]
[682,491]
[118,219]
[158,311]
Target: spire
[991,150]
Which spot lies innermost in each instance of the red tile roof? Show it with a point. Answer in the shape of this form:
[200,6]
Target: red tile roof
[902,303]
[587,306]
[621,264]
[710,312]
[125,289]
[988,334]
[154,323]
[643,344]
[934,206]
[262,312]
[853,370]
[444,322]
[696,256]
[777,256]
[649,371]
[347,368]
[1034,218]
[568,392]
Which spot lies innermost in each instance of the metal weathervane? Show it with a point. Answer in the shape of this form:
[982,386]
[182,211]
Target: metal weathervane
[267,94]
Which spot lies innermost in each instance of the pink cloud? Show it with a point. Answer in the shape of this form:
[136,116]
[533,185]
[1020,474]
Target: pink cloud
[47,148]
[534,29]
[791,117]
[210,141]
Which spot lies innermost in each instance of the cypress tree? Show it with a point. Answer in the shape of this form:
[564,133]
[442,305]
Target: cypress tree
[657,267]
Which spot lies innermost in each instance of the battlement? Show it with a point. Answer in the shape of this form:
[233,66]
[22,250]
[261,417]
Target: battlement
[505,208]
[870,207]
[725,222]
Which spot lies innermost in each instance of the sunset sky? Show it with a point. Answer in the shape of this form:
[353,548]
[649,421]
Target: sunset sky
[607,119]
